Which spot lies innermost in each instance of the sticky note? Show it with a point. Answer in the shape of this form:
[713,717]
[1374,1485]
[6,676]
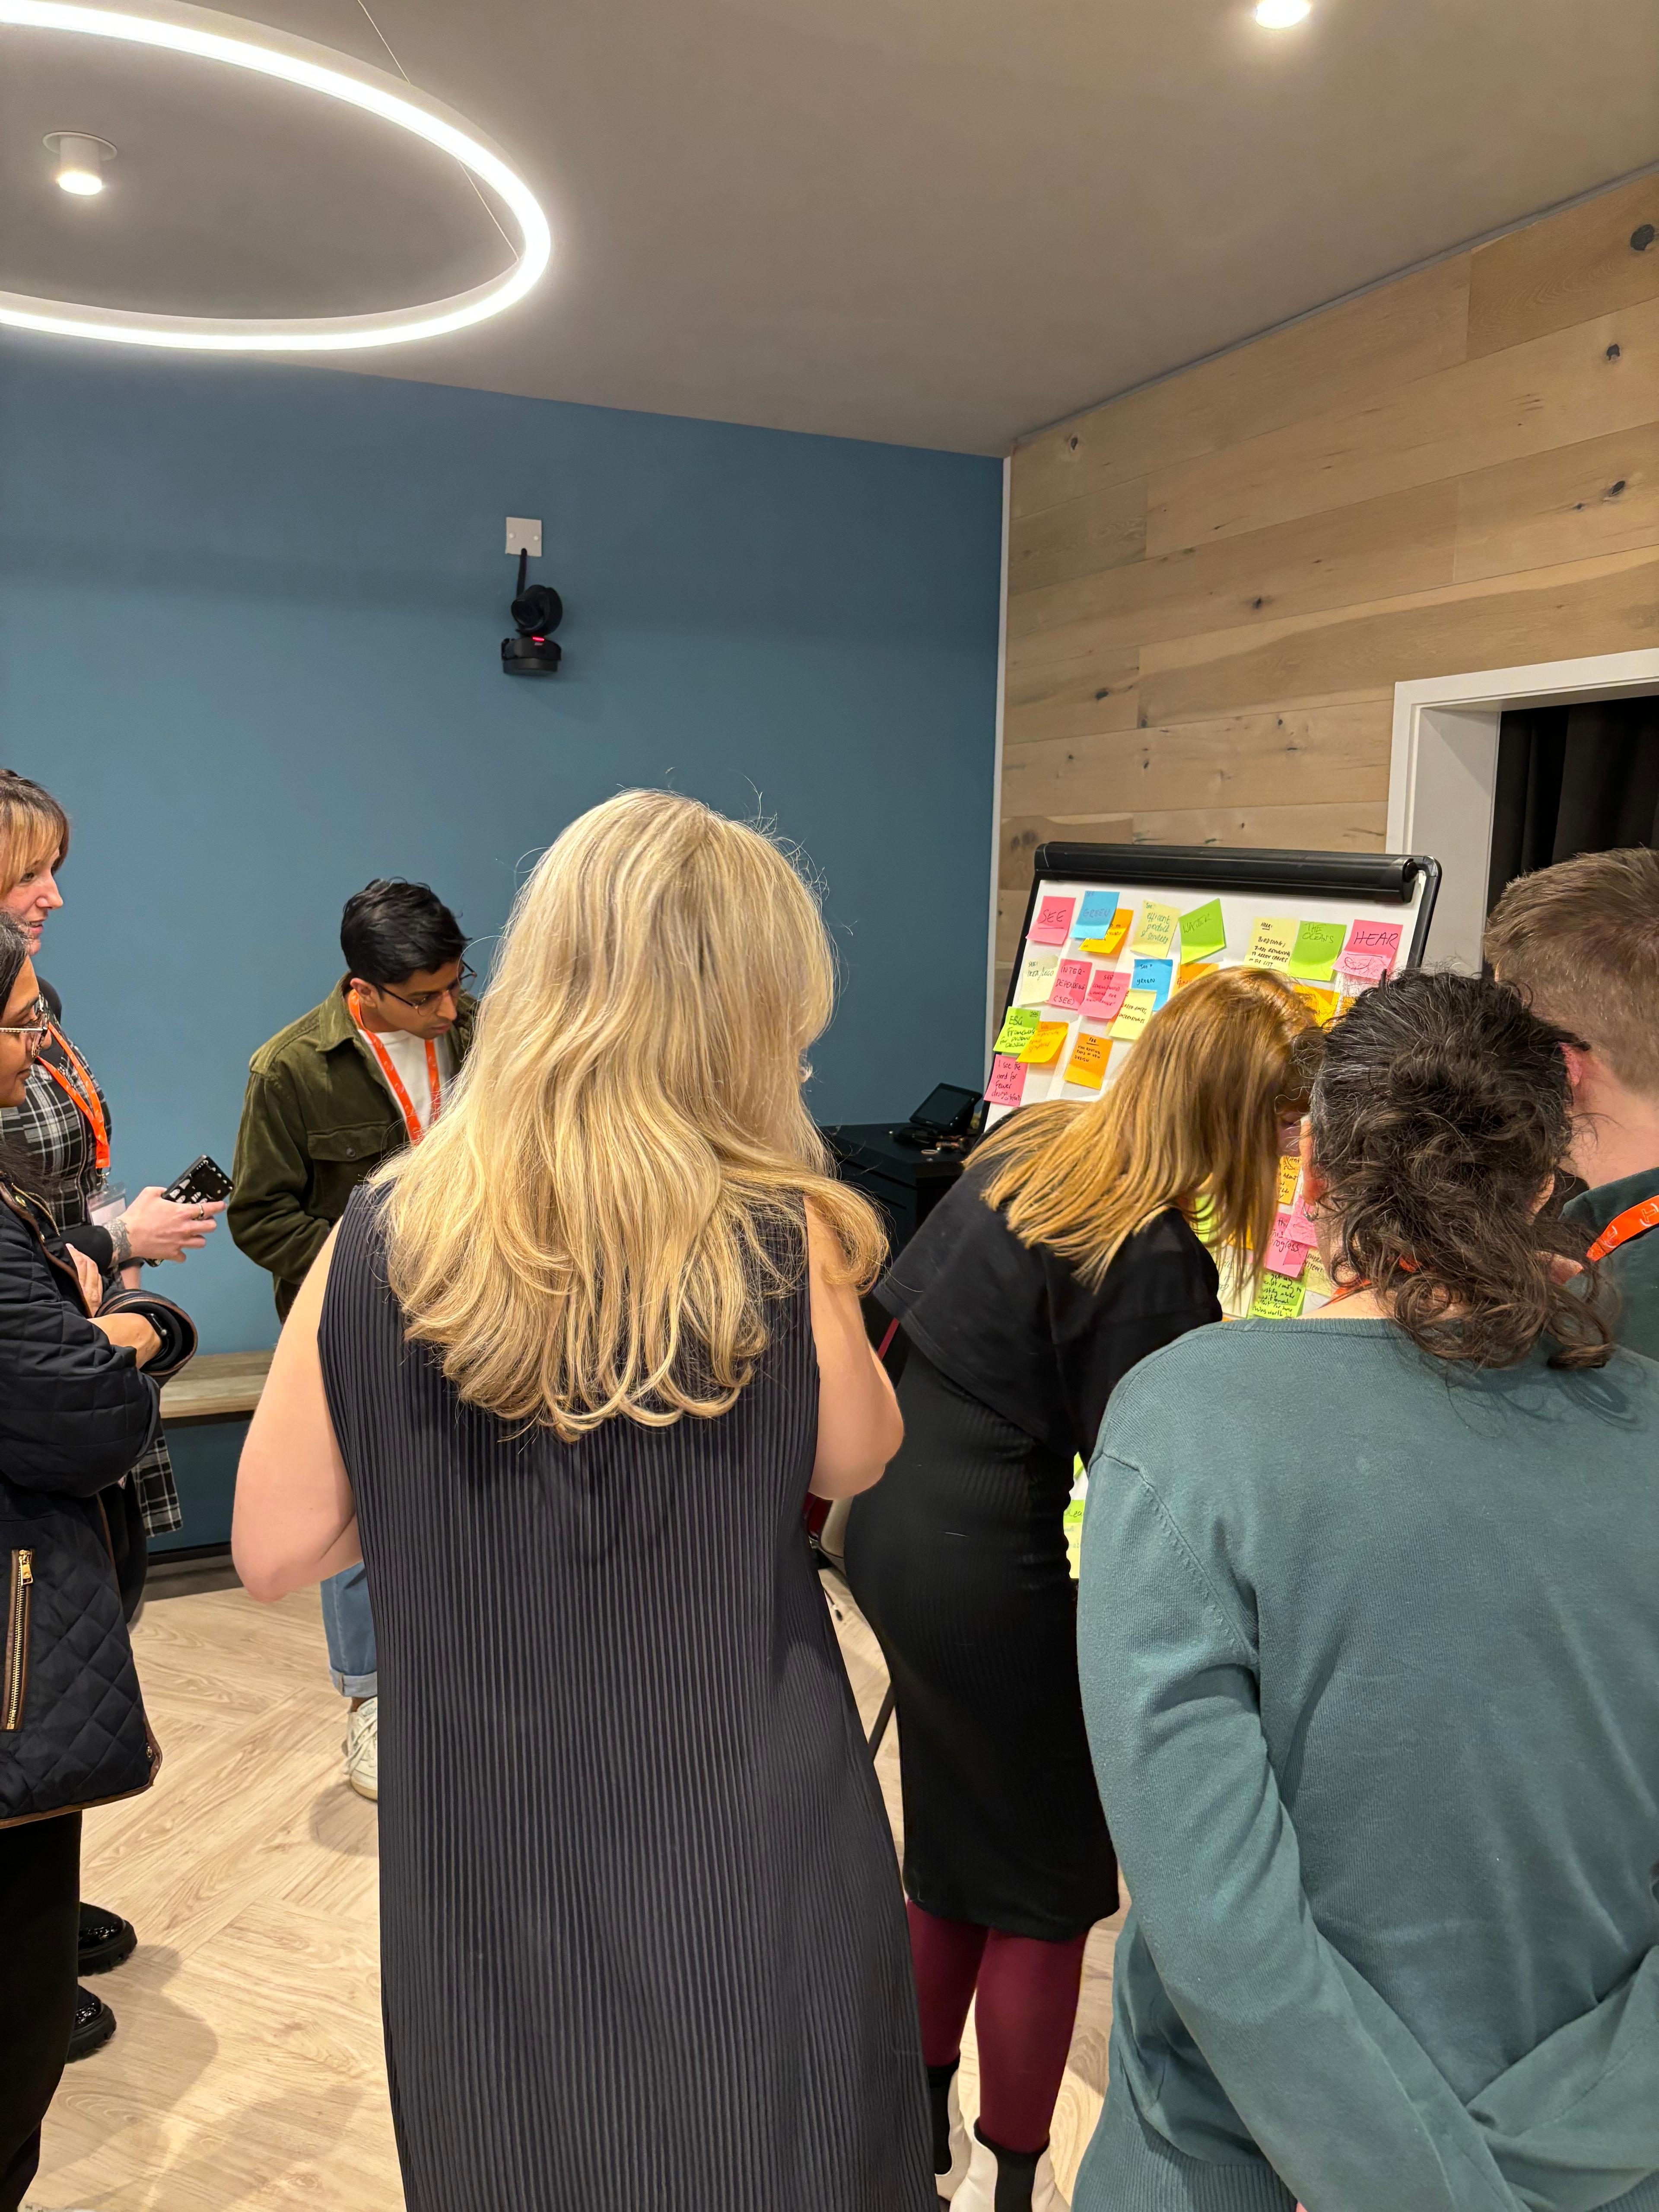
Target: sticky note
[1133,1016]
[1297,1225]
[1313,954]
[1018,1028]
[1361,969]
[1285,1255]
[1190,970]
[1203,931]
[1106,995]
[1044,1047]
[1036,979]
[1324,1003]
[1071,984]
[1094,914]
[1372,940]
[1278,1299]
[1109,947]
[1159,925]
[1087,1064]
[1054,922]
[1153,976]
[1314,1281]
[1272,939]
[1007,1084]
[1290,1171]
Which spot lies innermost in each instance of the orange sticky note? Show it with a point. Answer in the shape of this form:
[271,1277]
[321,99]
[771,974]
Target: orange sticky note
[1044,1047]
[1109,947]
[1192,969]
[1324,1003]
[1289,1168]
[1087,1064]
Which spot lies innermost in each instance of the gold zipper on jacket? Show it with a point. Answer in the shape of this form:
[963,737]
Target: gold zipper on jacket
[15,1681]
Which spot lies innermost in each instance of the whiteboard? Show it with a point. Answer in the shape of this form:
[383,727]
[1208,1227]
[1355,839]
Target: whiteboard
[1333,888]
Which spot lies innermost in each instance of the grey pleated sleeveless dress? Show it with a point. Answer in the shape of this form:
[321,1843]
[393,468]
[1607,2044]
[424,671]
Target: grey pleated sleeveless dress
[643,1938]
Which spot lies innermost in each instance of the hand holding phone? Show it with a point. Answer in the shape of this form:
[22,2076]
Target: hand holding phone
[165,1225]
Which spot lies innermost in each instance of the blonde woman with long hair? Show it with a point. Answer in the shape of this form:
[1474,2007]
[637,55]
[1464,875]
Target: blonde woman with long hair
[563,1377]
[1067,1253]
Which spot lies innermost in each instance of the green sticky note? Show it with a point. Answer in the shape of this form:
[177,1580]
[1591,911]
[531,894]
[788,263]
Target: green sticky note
[1278,1299]
[1202,931]
[1313,957]
[1019,1026]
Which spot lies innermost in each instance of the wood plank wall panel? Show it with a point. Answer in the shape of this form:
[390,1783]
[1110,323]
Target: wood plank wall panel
[1215,584]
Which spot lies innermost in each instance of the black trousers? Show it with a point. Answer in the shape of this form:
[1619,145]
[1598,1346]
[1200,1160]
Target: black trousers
[40,1914]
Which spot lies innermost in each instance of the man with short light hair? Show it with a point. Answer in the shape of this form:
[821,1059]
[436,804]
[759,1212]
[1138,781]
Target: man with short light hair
[1580,942]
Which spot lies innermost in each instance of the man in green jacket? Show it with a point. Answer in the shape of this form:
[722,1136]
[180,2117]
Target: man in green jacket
[1580,941]
[328,1098]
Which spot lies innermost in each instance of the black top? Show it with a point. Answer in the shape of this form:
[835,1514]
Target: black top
[1013,1324]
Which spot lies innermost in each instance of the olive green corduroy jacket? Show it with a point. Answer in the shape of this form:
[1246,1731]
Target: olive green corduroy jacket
[318,1120]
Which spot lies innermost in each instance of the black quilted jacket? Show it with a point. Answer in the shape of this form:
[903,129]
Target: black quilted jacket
[76,1411]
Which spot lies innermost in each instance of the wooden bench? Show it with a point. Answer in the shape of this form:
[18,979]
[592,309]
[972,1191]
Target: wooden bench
[216,1386]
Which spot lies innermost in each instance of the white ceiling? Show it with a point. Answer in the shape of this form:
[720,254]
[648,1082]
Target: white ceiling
[938,222]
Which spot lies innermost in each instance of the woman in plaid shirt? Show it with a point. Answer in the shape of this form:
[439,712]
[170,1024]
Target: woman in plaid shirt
[63,1128]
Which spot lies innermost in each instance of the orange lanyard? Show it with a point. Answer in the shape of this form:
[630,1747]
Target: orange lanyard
[411,1119]
[1634,1221]
[83,1090]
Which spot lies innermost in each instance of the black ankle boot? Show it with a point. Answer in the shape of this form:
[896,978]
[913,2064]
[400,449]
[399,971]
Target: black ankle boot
[940,2080]
[1016,2173]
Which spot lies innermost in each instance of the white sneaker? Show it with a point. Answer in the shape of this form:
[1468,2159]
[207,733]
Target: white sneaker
[962,2150]
[362,1748]
[978,2193]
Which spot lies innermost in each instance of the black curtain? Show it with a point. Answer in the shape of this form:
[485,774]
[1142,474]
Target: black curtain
[1573,779]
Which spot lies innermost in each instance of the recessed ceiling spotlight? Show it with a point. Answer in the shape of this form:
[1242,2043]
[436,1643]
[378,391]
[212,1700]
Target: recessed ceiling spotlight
[1279,15]
[80,159]
[177,27]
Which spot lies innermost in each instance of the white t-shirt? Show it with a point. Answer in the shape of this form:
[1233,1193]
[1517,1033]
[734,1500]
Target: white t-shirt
[407,1055]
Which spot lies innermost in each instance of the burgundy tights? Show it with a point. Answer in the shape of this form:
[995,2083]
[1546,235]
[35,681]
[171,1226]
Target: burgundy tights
[1027,1994]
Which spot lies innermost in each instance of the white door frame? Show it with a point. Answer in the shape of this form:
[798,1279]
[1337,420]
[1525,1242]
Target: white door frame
[1443,775]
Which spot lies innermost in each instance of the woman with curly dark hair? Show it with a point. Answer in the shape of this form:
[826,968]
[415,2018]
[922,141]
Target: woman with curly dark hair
[1369,1648]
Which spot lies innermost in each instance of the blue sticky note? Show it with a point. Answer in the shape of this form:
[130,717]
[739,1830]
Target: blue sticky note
[1094,914]
[1154,976]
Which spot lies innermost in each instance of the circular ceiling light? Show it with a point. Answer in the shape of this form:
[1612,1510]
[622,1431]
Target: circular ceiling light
[81,159]
[176,27]
[1280,15]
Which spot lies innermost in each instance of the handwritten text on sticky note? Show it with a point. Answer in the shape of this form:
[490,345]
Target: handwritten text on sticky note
[1094,914]
[1285,1255]
[1289,1168]
[1159,925]
[1036,979]
[1313,954]
[1108,946]
[1071,985]
[1278,1299]
[1203,931]
[1272,939]
[1152,975]
[1007,1084]
[1053,923]
[1133,1016]
[1106,995]
[1375,938]
[1087,1064]
[1018,1028]
[1044,1047]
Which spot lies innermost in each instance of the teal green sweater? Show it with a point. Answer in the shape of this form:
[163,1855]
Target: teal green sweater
[1369,1655]
[1633,1267]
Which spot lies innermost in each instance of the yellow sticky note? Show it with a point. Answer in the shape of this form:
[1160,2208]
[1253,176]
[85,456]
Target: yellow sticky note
[1036,979]
[1134,1015]
[1324,1003]
[1272,940]
[1278,1299]
[1087,1064]
[1289,1168]
[1109,947]
[1314,1281]
[1045,1044]
[1156,935]
[1190,970]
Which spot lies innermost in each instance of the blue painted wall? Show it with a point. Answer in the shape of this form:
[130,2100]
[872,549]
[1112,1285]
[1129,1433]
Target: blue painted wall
[249,630]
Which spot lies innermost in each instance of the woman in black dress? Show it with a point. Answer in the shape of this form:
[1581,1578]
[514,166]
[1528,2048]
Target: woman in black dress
[564,1375]
[1066,1254]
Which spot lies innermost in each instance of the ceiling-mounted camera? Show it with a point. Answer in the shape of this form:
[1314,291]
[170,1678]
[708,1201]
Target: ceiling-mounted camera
[537,611]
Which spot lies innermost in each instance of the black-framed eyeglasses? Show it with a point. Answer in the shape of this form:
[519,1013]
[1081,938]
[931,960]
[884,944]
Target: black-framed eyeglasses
[36,1027]
[422,999]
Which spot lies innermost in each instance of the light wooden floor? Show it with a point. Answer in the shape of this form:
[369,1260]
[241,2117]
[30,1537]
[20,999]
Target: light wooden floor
[247,2069]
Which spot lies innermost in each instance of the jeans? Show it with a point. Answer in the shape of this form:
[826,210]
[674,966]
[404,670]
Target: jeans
[350,1628]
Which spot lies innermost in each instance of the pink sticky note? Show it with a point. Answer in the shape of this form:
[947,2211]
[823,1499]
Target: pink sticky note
[1296,1225]
[1054,922]
[1362,966]
[1285,1256]
[1007,1084]
[1071,985]
[1374,939]
[1106,995]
